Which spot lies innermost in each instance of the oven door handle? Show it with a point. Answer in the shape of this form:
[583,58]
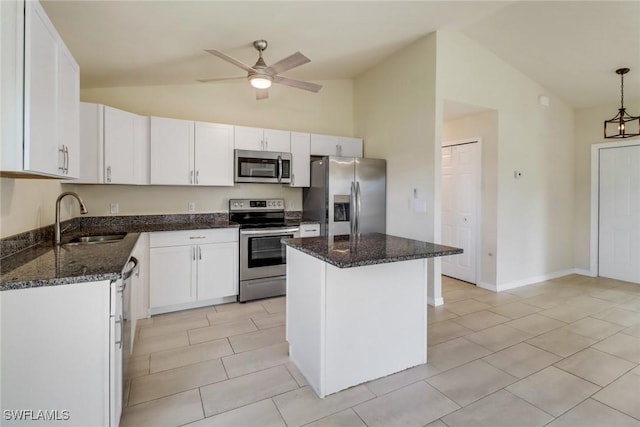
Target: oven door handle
[262,231]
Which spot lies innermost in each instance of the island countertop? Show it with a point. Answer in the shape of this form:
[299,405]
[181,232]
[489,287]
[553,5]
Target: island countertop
[368,249]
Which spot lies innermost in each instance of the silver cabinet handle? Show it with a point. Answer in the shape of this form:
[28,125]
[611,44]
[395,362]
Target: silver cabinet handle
[193,253]
[119,342]
[197,237]
[108,173]
[199,253]
[197,177]
[293,179]
[61,150]
[337,150]
[66,148]
[191,177]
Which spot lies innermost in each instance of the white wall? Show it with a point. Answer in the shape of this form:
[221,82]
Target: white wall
[534,213]
[485,126]
[588,131]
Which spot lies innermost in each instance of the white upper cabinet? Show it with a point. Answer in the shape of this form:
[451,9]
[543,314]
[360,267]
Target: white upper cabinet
[183,152]
[213,154]
[256,139]
[329,145]
[114,146]
[40,92]
[300,159]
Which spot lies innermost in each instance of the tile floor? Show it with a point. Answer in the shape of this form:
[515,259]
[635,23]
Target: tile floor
[564,352]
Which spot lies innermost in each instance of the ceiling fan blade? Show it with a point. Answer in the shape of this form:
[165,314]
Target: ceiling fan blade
[217,79]
[287,63]
[262,94]
[230,59]
[300,84]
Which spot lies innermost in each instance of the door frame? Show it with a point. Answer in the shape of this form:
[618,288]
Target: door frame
[478,189]
[594,244]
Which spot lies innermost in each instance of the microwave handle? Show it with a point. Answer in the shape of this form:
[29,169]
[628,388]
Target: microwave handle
[279,168]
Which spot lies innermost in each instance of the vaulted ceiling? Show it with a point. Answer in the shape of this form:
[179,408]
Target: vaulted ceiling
[570,47]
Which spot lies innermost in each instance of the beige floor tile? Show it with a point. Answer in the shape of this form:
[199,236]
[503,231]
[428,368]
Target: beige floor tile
[592,413]
[264,321]
[497,298]
[414,405]
[515,310]
[401,379]
[296,374]
[170,411]
[613,295]
[275,305]
[346,418]
[138,366]
[527,291]
[622,395]
[588,303]
[436,423]
[595,366]
[544,301]
[237,392]
[259,414]
[634,331]
[439,314]
[454,353]
[257,339]
[633,304]
[501,409]
[444,331]
[303,406]
[553,390]
[593,328]
[180,324]
[567,314]
[235,312]
[160,342]
[498,337]
[619,316]
[621,345]
[480,320]
[521,360]
[470,382]
[561,342]
[535,324]
[466,306]
[235,307]
[184,315]
[256,360]
[176,380]
[455,295]
[183,356]
[221,330]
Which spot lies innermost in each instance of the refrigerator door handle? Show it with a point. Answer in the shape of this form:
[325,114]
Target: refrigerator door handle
[358,206]
[352,208]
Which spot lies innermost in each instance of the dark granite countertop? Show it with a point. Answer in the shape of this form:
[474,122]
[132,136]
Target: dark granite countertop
[32,260]
[368,249]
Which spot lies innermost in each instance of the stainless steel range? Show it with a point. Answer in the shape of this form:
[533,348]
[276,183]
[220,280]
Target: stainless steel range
[262,257]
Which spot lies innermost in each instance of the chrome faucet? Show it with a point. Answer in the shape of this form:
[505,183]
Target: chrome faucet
[83,210]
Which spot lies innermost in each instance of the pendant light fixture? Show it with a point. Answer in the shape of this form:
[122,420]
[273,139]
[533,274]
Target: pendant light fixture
[623,125]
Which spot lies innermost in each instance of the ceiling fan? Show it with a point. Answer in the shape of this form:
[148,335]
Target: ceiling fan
[261,76]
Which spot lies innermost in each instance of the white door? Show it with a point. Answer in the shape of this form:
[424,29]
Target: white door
[119,146]
[213,154]
[247,138]
[300,159]
[217,270]
[460,197]
[172,275]
[277,140]
[619,213]
[350,147]
[171,146]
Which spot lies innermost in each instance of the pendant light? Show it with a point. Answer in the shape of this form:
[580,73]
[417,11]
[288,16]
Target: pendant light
[623,125]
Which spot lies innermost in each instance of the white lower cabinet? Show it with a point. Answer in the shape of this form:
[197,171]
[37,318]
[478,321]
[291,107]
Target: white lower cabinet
[192,268]
[310,230]
[61,355]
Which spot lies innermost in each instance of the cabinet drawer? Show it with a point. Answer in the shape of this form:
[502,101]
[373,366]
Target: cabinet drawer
[309,230]
[192,237]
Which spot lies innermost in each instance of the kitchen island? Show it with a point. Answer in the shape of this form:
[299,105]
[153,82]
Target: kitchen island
[357,307]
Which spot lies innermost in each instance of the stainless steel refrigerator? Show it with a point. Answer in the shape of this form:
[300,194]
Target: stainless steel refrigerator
[347,195]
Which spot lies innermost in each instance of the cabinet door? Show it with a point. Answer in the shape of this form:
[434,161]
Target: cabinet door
[119,143]
[247,138]
[171,146]
[217,270]
[324,145]
[277,140]
[171,275]
[141,150]
[350,147]
[69,111]
[40,108]
[300,159]
[213,154]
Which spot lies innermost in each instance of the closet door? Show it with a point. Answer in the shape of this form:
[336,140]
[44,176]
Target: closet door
[619,213]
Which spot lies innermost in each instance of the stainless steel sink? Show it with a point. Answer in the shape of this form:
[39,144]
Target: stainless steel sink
[92,240]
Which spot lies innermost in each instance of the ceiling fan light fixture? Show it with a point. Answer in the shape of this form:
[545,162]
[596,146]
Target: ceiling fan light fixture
[260,82]
[623,125]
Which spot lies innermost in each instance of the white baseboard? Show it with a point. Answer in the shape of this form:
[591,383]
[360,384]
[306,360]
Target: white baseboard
[487,286]
[435,302]
[531,280]
[583,272]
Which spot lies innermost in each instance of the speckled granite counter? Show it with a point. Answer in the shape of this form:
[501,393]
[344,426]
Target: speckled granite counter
[369,249]
[31,260]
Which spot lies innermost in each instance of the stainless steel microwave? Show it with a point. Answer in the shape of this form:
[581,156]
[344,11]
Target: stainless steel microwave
[262,166]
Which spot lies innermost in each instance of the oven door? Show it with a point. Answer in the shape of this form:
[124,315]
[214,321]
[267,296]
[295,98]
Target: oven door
[262,254]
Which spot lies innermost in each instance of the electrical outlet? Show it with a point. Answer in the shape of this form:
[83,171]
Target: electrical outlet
[114,208]
[292,205]
[192,207]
